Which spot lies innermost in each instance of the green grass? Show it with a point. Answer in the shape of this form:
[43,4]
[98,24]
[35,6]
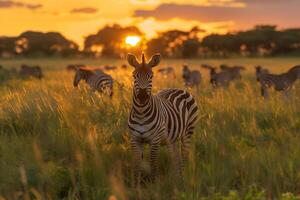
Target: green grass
[58,142]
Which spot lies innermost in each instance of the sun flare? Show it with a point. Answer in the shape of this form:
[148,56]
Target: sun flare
[132,40]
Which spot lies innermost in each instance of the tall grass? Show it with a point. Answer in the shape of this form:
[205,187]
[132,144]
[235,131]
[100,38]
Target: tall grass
[60,142]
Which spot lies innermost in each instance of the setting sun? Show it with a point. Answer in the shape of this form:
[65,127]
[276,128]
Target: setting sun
[132,40]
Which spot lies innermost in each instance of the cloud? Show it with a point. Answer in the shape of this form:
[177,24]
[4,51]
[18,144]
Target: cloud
[189,12]
[85,10]
[279,12]
[16,4]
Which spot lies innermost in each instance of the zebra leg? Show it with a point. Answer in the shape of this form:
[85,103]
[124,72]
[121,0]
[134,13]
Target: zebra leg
[185,148]
[264,92]
[175,157]
[286,94]
[111,92]
[154,149]
[137,148]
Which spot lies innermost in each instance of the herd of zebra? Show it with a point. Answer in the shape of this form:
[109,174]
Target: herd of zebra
[98,80]
[168,117]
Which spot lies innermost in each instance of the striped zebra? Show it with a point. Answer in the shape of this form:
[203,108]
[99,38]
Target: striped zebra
[168,117]
[259,71]
[191,77]
[34,71]
[280,82]
[234,71]
[166,71]
[97,80]
[219,79]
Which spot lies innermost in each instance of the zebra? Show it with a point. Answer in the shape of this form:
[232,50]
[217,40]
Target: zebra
[234,71]
[97,80]
[34,71]
[219,79]
[280,82]
[74,67]
[167,71]
[109,68]
[165,118]
[259,71]
[191,77]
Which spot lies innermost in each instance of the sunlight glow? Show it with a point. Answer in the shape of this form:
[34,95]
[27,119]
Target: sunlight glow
[132,40]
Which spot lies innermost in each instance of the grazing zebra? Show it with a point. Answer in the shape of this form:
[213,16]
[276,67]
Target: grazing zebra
[34,71]
[191,77]
[97,80]
[74,67]
[259,71]
[167,71]
[234,71]
[219,79]
[280,82]
[109,68]
[167,117]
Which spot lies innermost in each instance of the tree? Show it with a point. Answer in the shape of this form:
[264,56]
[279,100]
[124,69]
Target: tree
[110,40]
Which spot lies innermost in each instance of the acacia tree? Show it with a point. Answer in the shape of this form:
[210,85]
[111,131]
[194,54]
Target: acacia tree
[110,39]
[175,43]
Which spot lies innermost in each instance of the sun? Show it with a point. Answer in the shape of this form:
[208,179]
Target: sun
[132,40]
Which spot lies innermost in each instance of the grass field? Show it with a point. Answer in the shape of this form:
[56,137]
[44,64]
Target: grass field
[60,142]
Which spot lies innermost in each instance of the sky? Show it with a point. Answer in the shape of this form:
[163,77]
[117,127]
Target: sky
[76,19]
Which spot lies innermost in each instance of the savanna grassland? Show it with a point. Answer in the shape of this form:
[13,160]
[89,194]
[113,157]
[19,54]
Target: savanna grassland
[61,142]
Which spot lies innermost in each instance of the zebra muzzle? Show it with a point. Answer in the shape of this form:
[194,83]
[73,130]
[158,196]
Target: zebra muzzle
[143,95]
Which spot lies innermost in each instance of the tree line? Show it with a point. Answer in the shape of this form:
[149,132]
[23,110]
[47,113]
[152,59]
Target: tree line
[263,40]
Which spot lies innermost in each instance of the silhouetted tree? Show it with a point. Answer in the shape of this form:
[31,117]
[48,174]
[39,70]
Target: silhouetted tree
[110,40]
[51,43]
[175,43]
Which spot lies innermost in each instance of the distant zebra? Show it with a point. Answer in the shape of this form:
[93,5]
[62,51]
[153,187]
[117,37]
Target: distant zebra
[219,79]
[74,67]
[167,117]
[34,71]
[280,82]
[191,77]
[166,71]
[97,80]
[259,71]
[234,71]
[109,68]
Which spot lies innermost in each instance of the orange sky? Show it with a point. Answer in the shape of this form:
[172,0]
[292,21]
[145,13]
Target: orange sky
[78,18]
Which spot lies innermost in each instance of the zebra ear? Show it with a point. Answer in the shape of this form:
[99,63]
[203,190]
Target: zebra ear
[132,60]
[154,61]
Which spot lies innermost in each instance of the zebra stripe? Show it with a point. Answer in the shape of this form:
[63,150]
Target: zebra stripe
[167,117]
[98,81]
[34,71]
[191,77]
[280,82]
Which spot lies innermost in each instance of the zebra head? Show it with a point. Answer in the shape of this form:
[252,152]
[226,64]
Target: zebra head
[295,71]
[81,73]
[142,76]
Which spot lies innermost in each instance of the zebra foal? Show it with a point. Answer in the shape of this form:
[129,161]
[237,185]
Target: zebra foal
[168,117]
